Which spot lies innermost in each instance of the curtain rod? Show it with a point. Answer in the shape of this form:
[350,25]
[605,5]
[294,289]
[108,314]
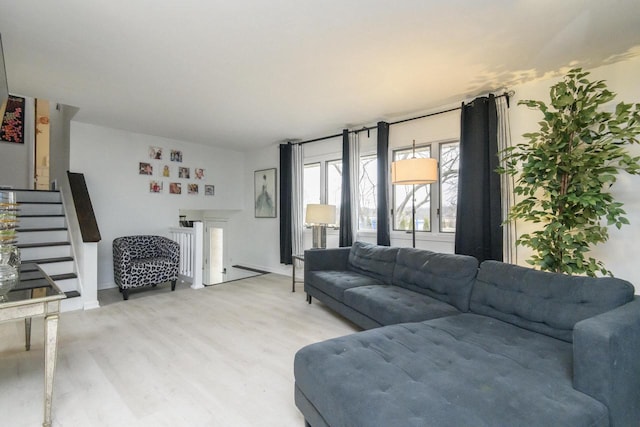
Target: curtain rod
[505,94]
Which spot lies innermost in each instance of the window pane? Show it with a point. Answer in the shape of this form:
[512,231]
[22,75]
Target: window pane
[449,161]
[334,185]
[311,185]
[402,195]
[367,214]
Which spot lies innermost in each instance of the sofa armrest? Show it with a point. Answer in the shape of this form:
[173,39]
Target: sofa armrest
[326,259]
[606,361]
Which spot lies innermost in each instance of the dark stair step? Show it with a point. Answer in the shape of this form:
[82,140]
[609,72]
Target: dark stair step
[39,203]
[41,216]
[30,230]
[72,294]
[42,245]
[50,260]
[65,276]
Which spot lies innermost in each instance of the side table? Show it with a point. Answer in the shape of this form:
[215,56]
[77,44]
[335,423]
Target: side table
[299,257]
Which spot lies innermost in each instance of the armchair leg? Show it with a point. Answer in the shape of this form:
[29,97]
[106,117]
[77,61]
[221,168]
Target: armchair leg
[173,285]
[125,294]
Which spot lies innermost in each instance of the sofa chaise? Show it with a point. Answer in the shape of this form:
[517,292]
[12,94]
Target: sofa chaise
[498,345]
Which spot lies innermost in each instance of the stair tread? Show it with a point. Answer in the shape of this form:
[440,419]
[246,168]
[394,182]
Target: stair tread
[49,260]
[41,245]
[38,202]
[65,276]
[28,230]
[41,216]
[72,294]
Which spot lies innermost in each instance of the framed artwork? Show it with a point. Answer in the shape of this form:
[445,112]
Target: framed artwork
[192,188]
[12,126]
[209,190]
[145,169]
[155,153]
[264,187]
[199,173]
[155,186]
[166,171]
[175,188]
[176,156]
[184,173]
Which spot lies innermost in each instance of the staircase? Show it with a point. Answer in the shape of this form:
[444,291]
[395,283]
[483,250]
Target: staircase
[43,239]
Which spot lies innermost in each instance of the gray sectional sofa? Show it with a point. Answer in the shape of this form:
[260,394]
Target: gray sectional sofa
[453,344]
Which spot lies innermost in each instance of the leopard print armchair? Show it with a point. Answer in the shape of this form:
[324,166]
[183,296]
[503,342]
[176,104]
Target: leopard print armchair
[144,260]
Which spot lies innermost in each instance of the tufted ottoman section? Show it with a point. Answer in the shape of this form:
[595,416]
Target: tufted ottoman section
[463,370]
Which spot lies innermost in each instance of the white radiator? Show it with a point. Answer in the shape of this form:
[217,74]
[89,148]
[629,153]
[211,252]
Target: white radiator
[191,241]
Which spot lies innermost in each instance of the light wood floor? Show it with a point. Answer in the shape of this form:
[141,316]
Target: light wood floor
[219,356]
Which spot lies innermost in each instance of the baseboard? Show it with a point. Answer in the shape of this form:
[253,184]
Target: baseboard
[90,305]
[285,271]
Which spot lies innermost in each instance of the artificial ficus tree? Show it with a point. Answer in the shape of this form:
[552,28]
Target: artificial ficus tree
[564,172]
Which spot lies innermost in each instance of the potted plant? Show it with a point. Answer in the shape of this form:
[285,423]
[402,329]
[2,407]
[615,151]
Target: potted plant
[564,172]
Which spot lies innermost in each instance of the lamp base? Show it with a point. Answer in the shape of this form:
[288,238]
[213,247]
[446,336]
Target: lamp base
[319,236]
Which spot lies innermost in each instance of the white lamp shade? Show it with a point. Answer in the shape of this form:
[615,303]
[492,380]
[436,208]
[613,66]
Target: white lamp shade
[414,171]
[320,214]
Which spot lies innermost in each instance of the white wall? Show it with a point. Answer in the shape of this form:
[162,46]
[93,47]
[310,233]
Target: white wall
[259,244]
[109,159]
[619,253]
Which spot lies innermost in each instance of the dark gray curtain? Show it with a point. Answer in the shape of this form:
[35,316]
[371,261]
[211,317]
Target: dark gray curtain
[479,216]
[384,232]
[285,204]
[346,232]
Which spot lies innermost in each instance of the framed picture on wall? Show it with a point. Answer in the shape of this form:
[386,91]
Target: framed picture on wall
[264,185]
[209,190]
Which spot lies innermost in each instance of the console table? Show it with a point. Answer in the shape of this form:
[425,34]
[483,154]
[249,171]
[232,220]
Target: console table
[36,294]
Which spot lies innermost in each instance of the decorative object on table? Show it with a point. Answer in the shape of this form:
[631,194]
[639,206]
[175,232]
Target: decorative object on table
[265,193]
[565,170]
[12,129]
[319,216]
[414,171]
[9,252]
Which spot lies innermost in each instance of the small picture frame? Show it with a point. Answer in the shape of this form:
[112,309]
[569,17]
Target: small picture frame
[184,173]
[155,186]
[175,188]
[166,171]
[209,190]
[145,168]
[155,153]
[198,173]
[176,156]
[192,188]
[265,196]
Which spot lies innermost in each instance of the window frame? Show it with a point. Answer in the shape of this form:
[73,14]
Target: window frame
[435,190]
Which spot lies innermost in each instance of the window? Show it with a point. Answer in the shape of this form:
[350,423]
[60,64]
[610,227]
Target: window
[449,163]
[323,184]
[367,201]
[404,194]
[334,185]
[311,184]
[428,209]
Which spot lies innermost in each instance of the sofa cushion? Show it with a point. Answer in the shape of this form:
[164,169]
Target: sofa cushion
[548,303]
[373,261]
[389,305]
[445,277]
[464,370]
[334,283]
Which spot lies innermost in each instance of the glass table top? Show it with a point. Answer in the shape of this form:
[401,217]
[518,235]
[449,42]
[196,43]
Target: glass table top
[32,284]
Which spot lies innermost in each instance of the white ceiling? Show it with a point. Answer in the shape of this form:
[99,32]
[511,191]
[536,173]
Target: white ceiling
[249,73]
